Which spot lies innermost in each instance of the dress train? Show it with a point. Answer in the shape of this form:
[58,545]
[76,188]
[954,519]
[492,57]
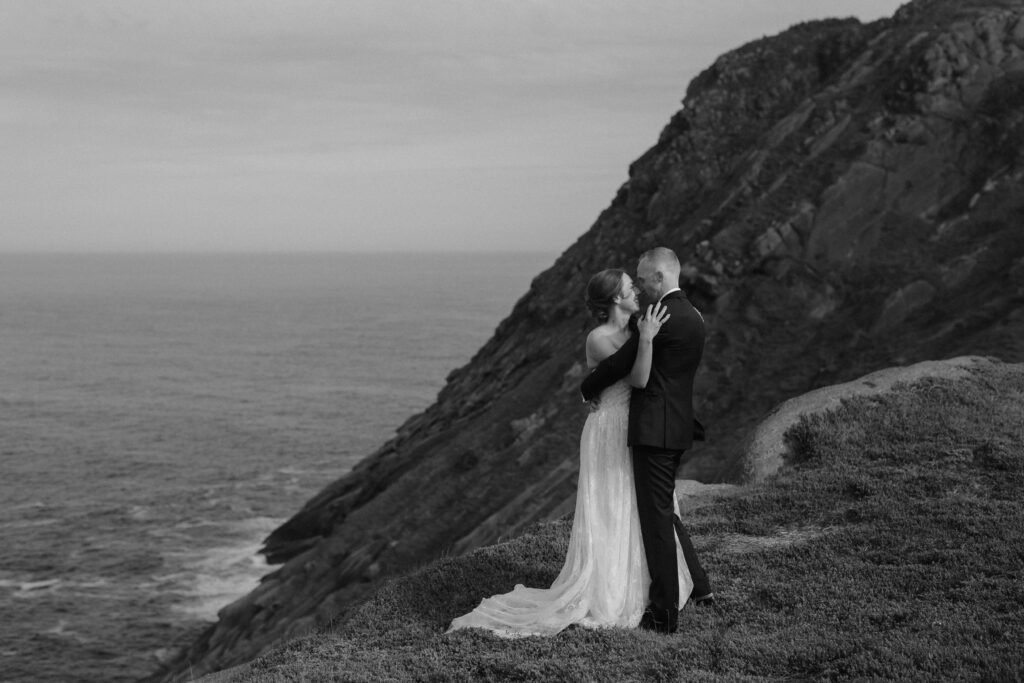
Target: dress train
[604,581]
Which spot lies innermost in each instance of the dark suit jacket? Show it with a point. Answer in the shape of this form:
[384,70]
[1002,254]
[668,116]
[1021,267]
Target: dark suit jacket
[660,415]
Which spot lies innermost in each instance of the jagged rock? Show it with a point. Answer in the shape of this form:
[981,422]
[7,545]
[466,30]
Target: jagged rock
[849,220]
[1017,277]
[903,303]
[894,153]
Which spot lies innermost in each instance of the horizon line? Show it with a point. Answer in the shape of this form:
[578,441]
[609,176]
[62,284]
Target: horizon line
[268,252]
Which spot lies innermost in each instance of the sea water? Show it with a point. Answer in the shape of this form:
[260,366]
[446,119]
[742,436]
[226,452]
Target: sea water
[161,414]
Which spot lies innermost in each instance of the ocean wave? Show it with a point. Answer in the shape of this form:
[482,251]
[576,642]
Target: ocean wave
[31,589]
[213,578]
[28,523]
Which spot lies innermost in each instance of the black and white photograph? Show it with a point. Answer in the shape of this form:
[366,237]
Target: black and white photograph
[511,340]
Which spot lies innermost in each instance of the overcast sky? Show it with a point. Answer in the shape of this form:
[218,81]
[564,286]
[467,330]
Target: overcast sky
[344,125]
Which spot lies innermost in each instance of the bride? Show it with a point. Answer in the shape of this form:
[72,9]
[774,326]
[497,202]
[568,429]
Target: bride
[604,581]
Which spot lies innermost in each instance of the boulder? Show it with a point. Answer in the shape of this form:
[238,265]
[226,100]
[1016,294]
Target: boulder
[765,450]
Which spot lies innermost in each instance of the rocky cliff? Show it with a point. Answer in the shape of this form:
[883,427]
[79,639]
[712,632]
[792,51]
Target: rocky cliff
[844,197]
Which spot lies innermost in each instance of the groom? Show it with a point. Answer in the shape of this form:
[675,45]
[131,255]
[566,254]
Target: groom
[661,427]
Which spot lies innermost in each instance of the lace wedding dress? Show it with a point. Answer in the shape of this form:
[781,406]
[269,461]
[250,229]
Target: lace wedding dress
[604,580]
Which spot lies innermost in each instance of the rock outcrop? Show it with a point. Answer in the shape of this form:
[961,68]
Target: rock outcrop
[766,449]
[845,197]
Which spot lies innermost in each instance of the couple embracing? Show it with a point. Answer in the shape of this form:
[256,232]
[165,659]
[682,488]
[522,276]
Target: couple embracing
[630,561]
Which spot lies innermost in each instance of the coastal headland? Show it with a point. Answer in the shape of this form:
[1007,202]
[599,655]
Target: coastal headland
[845,198]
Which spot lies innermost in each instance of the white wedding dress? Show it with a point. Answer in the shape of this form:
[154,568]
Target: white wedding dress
[604,581]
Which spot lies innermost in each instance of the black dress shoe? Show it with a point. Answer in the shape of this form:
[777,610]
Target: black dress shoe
[707,600]
[647,621]
[660,620]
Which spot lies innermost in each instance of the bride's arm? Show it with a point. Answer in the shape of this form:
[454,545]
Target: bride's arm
[647,329]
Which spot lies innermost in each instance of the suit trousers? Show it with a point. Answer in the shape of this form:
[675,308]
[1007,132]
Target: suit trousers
[654,471]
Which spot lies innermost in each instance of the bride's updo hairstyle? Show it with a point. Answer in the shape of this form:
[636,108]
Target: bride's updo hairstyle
[602,290]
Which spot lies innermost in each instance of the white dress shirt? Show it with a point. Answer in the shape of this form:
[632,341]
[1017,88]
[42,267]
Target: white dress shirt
[676,289]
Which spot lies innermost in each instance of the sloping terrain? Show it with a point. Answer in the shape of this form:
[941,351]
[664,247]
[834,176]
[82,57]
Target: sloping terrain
[889,546]
[844,197]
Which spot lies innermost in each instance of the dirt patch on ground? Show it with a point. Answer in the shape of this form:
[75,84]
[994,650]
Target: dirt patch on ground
[692,494]
[742,543]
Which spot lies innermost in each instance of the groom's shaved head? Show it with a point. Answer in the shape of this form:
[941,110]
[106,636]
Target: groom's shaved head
[664,260]
[658,271]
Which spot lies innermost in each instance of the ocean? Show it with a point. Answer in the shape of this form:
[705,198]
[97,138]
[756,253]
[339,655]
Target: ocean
[161,414]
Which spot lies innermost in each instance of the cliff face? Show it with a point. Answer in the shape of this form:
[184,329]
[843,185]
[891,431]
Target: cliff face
[844,197]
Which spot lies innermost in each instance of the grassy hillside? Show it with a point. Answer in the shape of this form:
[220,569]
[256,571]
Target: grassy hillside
[892,546]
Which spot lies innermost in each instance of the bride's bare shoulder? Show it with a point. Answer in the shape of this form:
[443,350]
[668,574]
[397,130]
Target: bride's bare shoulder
[600,345]
[596,335]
